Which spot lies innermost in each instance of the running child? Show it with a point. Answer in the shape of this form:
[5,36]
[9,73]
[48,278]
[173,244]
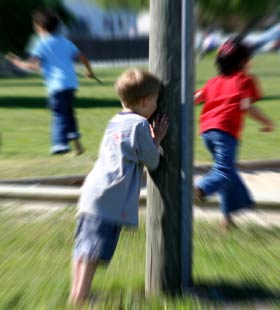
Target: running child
[227,99]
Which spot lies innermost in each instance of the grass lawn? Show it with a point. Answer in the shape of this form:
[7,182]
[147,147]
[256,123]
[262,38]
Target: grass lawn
[25,121]
[240,269]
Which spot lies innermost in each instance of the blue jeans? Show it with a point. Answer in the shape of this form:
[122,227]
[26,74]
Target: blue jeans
[64,125]
[223,177]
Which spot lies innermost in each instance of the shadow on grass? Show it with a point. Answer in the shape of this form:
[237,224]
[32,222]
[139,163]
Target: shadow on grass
[41,102]
[225,291]
[273,97]
[211,293]
[14,301]
[267,74]
[94,83]
[24,83]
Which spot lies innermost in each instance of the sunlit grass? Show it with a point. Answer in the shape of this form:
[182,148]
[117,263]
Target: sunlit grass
[239,269]
[25,120]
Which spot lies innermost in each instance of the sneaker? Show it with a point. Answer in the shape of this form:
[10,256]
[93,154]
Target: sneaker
[199,196]
[61,152]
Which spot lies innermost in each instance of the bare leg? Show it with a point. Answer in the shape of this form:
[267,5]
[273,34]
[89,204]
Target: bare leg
[83,273]
[76,270]
[228,222]
[199,196]
[78,146]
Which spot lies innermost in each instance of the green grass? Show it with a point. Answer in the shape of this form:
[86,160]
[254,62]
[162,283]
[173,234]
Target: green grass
[25,120]
[240,269]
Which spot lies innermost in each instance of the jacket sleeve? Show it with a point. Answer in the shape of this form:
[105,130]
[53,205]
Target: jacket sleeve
[146,149]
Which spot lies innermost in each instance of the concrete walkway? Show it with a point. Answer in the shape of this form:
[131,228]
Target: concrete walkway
[263,184]
[263,181]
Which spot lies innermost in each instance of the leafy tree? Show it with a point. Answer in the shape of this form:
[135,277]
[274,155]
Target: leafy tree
[230,14]
[134,5]
[16,23]
[234,14]
[119,5]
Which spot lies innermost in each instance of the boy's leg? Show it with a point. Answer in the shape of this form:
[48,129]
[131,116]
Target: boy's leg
[87,271]
[95,240]
[72,130]
[228,222]
[75,279]
[83,273]
[223,147]
[78,147]
[59,123]
[235,196]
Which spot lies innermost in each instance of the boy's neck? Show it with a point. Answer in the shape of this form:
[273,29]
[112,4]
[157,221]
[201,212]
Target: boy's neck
[126,110]
[40,31]
[137,109]
[44,34]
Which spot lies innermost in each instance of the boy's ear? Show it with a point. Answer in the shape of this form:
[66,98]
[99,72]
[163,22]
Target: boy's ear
[144,102]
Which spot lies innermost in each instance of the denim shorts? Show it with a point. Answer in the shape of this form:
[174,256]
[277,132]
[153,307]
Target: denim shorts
[95,238]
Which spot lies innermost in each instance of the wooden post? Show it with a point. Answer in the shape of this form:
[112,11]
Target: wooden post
[168,243]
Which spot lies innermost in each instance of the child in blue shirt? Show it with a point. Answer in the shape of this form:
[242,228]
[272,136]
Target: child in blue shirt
[110,194]
[55,55]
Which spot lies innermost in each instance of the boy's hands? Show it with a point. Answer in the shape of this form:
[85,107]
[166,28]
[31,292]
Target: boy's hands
[31,64]
[268,127]
[159,128]
[14,59]
[91,75]
[256,113]
[89,72]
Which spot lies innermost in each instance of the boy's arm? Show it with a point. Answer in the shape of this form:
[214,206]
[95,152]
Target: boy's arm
[148,139]
[256,114]
[31,64]
[84,60]
[198,96]
[256,92]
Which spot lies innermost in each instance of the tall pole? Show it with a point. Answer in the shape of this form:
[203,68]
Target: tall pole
[187,73]
[169,203]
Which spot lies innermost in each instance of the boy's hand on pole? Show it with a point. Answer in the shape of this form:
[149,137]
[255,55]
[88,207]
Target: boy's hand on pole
[159,128]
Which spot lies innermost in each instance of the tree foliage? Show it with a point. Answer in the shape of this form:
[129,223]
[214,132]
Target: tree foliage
[239,12]
[231,14]
[16,23]
[134,5]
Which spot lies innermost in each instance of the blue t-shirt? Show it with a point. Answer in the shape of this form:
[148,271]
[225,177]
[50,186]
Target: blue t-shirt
[57,55]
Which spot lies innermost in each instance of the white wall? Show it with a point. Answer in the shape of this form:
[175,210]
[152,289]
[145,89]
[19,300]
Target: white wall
[101,23]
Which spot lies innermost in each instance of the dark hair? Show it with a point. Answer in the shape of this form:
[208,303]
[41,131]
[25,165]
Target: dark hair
[232,56]
[46,19]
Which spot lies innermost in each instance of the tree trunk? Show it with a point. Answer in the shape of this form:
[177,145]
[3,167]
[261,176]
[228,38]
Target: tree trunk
[164,234]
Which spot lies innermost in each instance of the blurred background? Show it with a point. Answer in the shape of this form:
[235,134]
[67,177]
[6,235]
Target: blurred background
[119,29]
[38,193]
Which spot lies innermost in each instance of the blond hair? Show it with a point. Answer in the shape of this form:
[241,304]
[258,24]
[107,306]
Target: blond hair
[135,84]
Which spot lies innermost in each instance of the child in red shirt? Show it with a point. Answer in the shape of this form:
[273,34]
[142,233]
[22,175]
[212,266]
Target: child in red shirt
[227,98]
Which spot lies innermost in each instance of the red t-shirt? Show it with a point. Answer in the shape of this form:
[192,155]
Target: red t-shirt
[226,100]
